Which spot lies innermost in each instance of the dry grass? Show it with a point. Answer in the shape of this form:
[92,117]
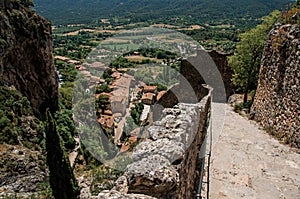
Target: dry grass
[117,40]
[141,58]
[109,31]
[164,26]
[192,27]
[105,21]
[91,30]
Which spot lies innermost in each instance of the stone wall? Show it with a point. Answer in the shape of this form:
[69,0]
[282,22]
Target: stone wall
[221,62]
[190,89]
[166,164]
[190,77]
[277,101]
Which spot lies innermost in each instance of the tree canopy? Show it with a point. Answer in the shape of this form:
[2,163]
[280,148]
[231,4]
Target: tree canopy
[198,11]
[27,3]
[246,60]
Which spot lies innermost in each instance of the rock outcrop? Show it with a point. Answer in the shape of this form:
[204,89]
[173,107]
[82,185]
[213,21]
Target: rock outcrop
[277,101]
[28,83]
[23,170]
[26,60]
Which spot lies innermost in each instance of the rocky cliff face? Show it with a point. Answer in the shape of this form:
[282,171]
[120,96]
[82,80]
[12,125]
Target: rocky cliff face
[23,171]
[277,101]
[28,85]
[26,60]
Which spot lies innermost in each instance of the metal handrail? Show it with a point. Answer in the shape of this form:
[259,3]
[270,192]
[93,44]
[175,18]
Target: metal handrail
[202,158]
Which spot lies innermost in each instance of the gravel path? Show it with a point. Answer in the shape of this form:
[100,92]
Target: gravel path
[248,163]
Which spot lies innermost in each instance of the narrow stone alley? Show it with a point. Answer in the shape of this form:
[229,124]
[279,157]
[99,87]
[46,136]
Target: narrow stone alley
[246,162]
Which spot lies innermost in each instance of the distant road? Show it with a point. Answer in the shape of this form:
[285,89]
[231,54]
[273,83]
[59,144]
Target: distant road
[74,153]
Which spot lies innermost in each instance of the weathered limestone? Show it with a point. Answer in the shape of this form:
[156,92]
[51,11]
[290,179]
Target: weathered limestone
[166,164]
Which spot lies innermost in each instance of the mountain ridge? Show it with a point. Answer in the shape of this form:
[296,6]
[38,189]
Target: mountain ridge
[79,11]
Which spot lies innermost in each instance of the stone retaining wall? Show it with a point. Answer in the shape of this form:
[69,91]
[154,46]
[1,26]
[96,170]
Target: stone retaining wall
[277,101]
[167,164]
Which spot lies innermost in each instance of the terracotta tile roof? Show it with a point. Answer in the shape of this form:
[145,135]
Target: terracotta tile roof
[73,62]
[79,67]
[160,94]
[111,86]
[102,80]
[150,89]
[66,59]
[148,96]
[126,145]
[106,121]
[133,139]
[123,70]
[108,112]
[139,90]
[109,95]
[116,75]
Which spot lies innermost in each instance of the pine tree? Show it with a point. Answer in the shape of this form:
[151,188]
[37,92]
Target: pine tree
[62,180]
[27,3]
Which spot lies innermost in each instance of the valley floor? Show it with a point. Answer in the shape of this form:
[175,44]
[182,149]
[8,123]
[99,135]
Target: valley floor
[248,163]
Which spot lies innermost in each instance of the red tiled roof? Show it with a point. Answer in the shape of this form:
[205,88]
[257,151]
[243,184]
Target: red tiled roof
[116,75]
[133,139]
[150,89]
[106,121]
[148,96]
[106,94]
[160,94]
[108,112]
[126,145]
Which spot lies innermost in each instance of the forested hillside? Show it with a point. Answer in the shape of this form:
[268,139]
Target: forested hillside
[201,11]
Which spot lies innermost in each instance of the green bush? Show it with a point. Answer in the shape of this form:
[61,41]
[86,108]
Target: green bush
[103,88]
[17,119]
[136,113]
[62,180]
[66,128]
[238,107]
